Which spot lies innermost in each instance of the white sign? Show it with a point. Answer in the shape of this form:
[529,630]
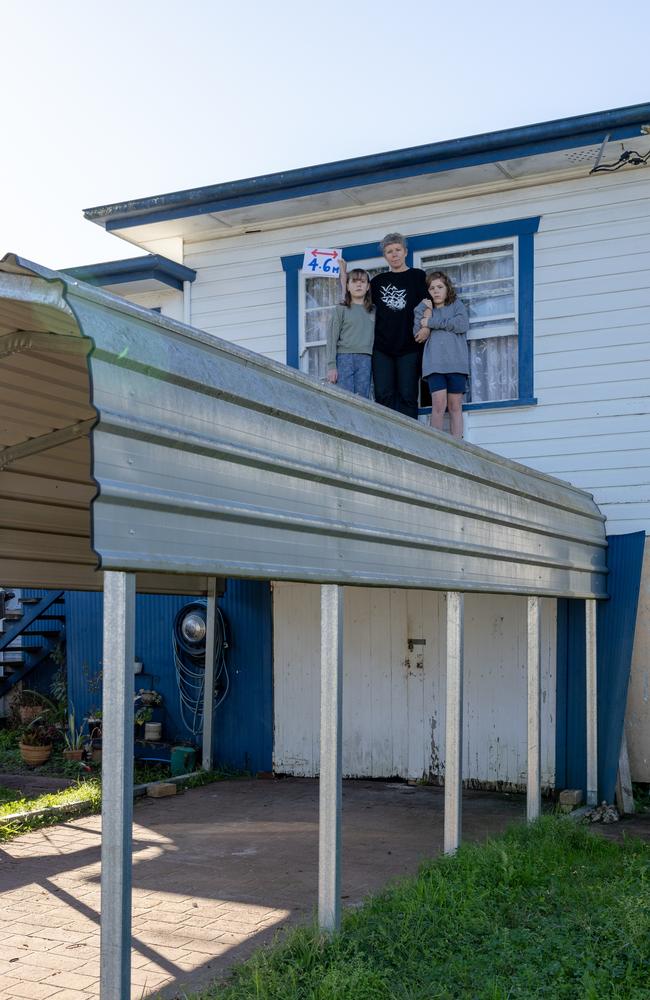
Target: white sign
[323,263]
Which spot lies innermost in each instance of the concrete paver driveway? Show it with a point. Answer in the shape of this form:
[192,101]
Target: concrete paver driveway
[216,871]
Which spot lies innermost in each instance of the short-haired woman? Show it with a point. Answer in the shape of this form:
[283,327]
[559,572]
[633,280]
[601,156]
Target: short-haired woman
[396,356]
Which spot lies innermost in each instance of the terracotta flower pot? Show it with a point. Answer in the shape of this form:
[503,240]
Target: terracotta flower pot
[33,756]
[73,754]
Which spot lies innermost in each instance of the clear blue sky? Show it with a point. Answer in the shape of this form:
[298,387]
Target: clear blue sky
[104,102]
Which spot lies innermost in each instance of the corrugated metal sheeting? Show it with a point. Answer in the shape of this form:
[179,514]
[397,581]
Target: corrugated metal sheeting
[616,623]
[211,460]
[243,723]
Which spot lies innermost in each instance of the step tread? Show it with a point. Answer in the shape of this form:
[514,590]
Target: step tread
[37,600]
[23,648]
[52,634]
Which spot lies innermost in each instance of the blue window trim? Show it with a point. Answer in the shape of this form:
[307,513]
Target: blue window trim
[523,229]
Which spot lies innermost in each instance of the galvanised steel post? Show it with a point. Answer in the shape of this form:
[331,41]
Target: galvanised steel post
[454,722]
[592,703]
[330,784]
[117,784]
[534,779]
[208,690]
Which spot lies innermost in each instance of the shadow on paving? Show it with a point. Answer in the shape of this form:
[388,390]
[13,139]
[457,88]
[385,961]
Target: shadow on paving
[219,869]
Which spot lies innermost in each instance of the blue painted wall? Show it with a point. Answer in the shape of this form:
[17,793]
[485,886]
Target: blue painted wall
[243,724]
[616,622]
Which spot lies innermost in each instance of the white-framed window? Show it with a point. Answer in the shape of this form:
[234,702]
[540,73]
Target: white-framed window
[318,297]
[484,275]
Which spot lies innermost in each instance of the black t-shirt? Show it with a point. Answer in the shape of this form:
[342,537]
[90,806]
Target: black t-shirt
[395,295]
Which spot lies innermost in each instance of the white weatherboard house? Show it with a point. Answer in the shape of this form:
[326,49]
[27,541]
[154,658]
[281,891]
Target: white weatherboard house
[553,260]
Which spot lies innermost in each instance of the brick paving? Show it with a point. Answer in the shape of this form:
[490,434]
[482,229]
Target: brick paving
[216,872]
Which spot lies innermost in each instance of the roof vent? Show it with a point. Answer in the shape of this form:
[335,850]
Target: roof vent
[585,155]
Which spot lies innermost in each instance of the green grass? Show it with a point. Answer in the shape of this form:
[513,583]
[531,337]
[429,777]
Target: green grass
[549,911]
[8,794]
[87,787]
[88,791]
[641,797]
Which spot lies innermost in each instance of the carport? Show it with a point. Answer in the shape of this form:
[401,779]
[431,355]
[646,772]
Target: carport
[138,453]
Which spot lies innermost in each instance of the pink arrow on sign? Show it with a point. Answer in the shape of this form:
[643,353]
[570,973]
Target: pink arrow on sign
[325,253]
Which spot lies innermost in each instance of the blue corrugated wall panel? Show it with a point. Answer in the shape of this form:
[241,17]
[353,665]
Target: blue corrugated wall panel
[571,710]
[244,730]
[616,623]
[243,725]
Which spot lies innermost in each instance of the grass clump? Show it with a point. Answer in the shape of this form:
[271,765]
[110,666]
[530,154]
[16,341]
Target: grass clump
[546,911]
[88,793]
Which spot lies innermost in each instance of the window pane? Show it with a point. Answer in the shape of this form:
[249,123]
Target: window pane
[321,292]
[321,295]
[316,324]
[317,362]
[494,369]
[484,278]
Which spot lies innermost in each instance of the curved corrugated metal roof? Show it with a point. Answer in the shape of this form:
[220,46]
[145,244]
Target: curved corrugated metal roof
[165,450]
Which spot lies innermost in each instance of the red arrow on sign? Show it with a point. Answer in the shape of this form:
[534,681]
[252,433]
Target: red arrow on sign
[325,253]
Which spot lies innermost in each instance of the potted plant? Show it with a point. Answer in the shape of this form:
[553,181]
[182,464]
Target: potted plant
[148,698]
[142,716]
[29,705]
[152,730]
[74,740]
[94,723]
[35,741]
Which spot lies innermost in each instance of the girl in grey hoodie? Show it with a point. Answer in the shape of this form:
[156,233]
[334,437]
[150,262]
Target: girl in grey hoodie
[441,324]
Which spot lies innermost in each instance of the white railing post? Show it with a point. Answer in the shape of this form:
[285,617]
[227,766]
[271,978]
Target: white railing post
[330,783]
[117,784]
[208,682]
[592,703]
[454,723]
[534,780]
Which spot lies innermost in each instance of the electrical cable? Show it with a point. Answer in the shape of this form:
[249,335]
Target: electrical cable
[189,663]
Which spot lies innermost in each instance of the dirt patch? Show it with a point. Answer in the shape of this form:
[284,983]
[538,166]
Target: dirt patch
[31,785]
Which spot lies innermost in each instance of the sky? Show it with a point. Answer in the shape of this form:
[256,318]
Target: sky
[105,102]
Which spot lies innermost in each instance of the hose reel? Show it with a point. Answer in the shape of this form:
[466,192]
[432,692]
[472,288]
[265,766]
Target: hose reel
[189,633]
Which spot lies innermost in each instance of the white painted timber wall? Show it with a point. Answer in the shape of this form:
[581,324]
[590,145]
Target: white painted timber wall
[591,426]
[592,340]
[394,695]
[169,302]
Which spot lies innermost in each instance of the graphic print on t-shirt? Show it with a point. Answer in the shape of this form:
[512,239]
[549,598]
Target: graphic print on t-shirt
[394,298]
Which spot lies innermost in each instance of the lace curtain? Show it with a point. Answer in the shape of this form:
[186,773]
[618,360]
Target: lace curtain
[484,278]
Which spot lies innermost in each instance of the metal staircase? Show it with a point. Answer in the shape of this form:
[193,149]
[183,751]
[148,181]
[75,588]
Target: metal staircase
[30,632]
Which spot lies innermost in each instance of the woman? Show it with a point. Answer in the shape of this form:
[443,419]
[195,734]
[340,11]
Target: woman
[441,324]
[395,357]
